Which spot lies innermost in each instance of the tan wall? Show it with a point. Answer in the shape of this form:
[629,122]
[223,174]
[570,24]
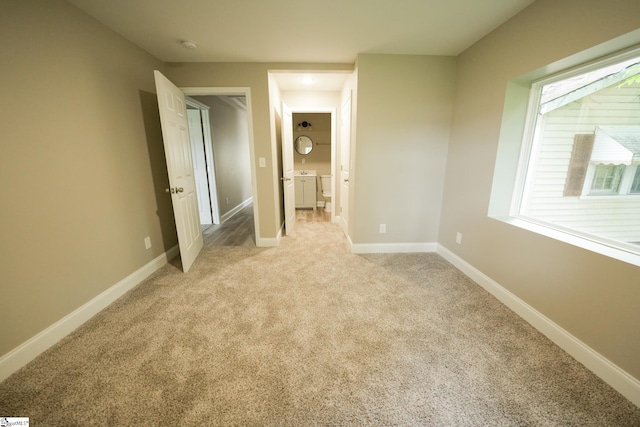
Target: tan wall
[230,139]
[254,76]
[593,297]
[403,116]
[82,164]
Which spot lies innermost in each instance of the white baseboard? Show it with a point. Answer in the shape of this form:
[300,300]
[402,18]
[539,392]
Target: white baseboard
[29,350]
[613,375]
[266,242]
[235,210]
[388,248]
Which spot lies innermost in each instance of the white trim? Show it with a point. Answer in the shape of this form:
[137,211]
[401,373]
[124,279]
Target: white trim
[195,103]
[390,248]
[271,241]
[233,102]
[350,242]
[30,349]
[227,216]
[610,373]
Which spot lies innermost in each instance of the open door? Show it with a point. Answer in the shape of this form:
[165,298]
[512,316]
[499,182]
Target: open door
[345,164]
[287,170]
[177,149]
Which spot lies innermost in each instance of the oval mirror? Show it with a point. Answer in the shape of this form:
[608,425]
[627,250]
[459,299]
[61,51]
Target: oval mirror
[303,145]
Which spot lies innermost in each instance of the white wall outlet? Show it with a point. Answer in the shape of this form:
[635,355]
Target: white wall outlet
[458,238]
[147,242]
[383,228]
[304,161]
[226,199]
[262,162]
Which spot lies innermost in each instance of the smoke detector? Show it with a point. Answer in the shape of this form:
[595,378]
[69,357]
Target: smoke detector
[188,44]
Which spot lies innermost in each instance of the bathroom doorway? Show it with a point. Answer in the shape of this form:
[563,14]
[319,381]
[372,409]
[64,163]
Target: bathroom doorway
[313,165]
[310,92]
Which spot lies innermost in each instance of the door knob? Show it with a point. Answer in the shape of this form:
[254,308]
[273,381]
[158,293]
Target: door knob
[179,189]
[174,190]
[285,179]
[346,180]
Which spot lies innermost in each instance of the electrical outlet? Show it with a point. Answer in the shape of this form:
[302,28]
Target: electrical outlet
[304,161]
[383,228]
[147,242]
[458,238]
[262,162]
[226,199]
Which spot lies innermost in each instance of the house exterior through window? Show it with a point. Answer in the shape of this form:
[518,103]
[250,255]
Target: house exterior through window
[582,173]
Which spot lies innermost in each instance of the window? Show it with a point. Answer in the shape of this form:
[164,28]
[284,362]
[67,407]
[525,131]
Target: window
[606,179]
[635,186]
[580,170]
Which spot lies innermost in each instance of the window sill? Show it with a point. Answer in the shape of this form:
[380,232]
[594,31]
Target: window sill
[619,251]
[617,197]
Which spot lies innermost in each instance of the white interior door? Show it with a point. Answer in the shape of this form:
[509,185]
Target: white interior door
[177,148]
[345,163]
[288,182]
[196,137]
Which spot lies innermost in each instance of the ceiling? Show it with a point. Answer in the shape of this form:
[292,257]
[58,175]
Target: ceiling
[324,31]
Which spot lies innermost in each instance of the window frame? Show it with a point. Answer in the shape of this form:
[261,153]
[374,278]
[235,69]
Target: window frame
[617,179]
[517,142]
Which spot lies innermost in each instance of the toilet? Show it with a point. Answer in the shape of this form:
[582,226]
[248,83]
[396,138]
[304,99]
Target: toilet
[325,183]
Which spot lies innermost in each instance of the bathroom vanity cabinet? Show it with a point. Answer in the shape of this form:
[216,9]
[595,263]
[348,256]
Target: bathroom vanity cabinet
[305,188]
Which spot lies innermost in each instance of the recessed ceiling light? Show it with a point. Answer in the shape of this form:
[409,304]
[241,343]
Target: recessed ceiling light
[307,80]
[188,44]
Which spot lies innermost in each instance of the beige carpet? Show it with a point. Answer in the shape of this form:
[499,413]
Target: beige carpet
[308,334]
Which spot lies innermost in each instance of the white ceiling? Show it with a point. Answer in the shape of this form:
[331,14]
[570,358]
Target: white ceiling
[325,31]
[333,81]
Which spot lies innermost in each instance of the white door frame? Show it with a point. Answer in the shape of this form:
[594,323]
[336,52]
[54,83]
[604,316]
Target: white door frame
[246,92]
[333,112]
[344,177]
[288,166]
[208,152]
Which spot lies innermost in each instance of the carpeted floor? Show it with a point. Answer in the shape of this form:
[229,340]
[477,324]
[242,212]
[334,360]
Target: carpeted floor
[308,334]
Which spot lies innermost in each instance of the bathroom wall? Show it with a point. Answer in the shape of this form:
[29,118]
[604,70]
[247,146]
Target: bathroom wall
[319,159]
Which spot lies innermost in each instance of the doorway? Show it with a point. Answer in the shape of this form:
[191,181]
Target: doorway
[203,164]
[223,165]
[314,166]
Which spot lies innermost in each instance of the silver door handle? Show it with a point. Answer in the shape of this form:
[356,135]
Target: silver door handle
[285,179]
[346,180]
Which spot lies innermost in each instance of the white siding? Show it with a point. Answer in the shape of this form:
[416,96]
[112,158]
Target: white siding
[616,217]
